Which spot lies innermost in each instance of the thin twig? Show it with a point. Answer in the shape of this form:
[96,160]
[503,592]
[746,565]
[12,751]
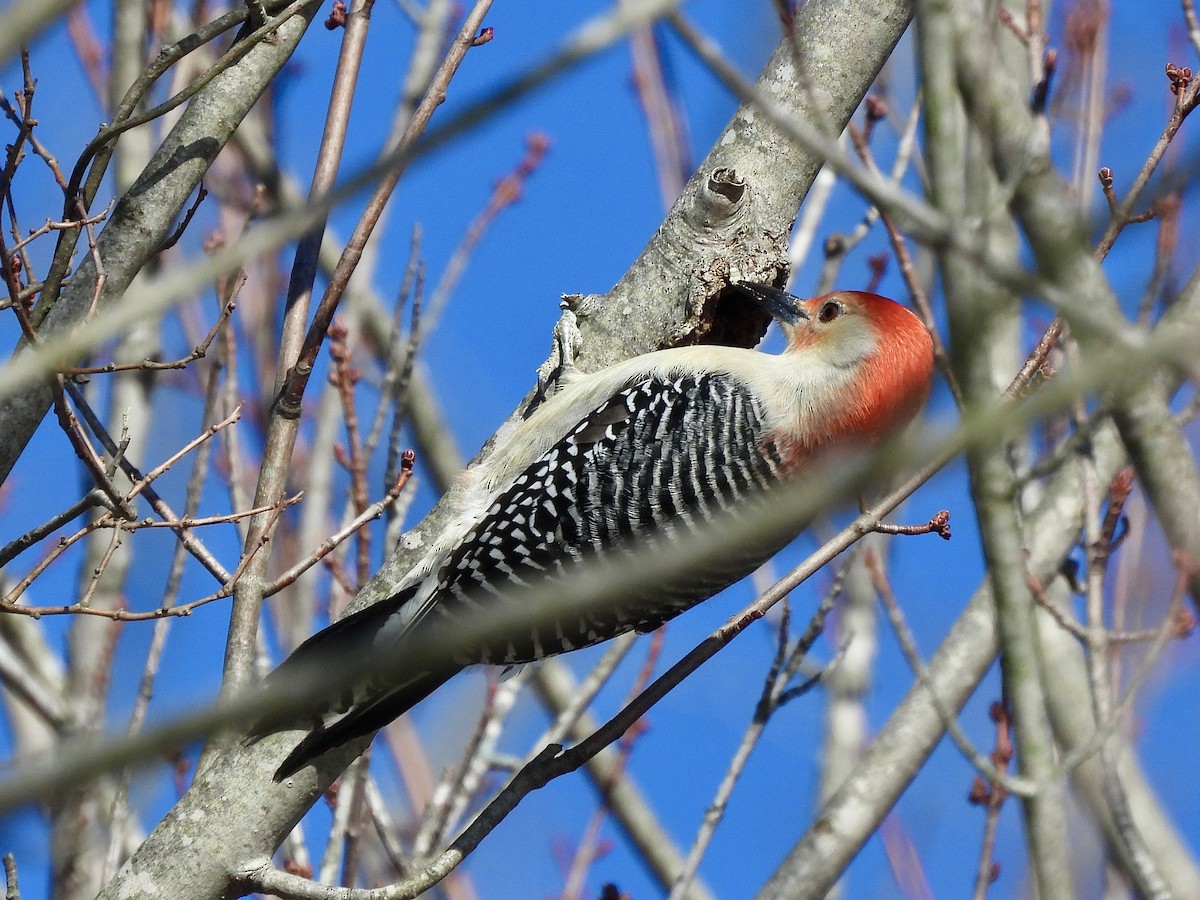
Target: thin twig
[1014,785]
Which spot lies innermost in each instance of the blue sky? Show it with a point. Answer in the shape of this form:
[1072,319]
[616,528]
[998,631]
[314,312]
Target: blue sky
[584,216]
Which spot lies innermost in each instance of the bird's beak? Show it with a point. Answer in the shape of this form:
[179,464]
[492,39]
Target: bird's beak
[779,303]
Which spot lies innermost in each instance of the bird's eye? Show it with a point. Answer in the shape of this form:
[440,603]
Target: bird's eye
[830,311]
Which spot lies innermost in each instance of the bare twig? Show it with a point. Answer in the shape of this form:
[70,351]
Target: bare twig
[1012,784]
[991,796]
[939,525]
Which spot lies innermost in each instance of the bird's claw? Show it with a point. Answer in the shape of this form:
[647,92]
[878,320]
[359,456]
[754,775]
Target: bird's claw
[559,369]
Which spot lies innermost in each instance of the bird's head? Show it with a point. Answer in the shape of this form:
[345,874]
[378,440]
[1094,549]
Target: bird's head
[864,362]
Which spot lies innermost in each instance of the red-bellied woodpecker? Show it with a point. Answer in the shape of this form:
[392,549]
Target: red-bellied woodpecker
[651,448]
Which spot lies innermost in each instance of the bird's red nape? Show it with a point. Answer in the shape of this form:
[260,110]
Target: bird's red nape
[895,382]
[888,354]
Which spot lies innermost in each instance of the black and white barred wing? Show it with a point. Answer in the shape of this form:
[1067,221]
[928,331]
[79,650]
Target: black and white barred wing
[656,461]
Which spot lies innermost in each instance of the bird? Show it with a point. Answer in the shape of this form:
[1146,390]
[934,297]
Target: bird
[651,448]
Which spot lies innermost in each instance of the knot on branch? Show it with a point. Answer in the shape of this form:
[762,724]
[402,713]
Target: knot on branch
[720,202]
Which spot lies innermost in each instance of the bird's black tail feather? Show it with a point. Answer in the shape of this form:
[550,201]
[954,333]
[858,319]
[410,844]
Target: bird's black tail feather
[349,666]
[361,719]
